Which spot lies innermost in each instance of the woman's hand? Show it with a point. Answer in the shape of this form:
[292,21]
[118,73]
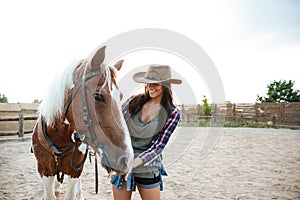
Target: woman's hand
[112,174]
[136,162]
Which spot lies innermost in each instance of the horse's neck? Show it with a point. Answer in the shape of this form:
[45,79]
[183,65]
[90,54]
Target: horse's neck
[60,132]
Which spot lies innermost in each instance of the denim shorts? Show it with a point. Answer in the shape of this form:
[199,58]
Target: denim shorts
[133,181]
[148,183]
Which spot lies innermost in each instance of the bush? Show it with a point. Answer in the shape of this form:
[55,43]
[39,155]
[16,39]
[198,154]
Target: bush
[249,123]
[206,108]
[202,123]
[231,124]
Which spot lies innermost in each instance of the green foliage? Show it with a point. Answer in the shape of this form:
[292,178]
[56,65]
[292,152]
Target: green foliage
[202,123]
[3,98]
[245,123]
[227,102]
[37,101]
[231,124]
[280,91]
[206,108]
[251,124]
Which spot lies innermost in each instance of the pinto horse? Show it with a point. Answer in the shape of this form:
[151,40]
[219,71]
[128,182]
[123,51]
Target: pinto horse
[82,109]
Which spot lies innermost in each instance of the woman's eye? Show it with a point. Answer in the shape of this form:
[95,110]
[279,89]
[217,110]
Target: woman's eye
[99,97]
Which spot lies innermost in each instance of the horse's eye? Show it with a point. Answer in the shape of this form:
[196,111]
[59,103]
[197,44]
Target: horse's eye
[99,97]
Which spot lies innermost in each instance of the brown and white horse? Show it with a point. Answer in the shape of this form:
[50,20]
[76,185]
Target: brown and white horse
[82,109]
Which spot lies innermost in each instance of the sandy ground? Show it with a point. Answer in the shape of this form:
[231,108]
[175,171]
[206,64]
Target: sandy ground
[202,163]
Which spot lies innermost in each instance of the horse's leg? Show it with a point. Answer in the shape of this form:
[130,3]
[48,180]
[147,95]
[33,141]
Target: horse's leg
[74,190]
[49,187]
[58,187]
[79,195]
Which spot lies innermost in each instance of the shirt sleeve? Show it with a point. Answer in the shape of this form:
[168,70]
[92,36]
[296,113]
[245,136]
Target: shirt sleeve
[159,144]
[125,108]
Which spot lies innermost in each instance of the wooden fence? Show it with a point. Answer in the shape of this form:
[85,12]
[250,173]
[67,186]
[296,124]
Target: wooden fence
[283,114]
[277,113]
[20,132]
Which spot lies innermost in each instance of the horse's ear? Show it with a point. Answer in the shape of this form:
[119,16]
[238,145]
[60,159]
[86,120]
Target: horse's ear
[98,58]
[119,64]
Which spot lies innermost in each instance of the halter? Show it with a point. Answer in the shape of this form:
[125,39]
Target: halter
[86,115]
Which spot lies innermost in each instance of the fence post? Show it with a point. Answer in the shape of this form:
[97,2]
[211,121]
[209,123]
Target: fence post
[282,112]
[182,112]
[233,112]
[256,112]
[241,120]
[21,125]
[274,120]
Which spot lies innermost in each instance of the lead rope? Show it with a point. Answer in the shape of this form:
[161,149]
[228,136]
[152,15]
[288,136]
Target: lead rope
[96,169]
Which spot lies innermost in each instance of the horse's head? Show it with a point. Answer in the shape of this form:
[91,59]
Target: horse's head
[96,111]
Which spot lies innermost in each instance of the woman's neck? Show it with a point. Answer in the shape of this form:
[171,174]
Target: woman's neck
[155,100]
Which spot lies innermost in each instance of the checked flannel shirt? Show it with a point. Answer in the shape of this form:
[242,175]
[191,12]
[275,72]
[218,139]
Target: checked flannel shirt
[153,154]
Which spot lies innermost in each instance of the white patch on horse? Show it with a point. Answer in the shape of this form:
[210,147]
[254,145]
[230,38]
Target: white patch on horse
[58,187]
[53,102]
[82,148]
[74,191]
[115,93]
[49,187]
[67,121]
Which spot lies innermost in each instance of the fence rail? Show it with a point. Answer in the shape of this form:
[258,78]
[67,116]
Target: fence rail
[273,121]
[281,114]
[20,132]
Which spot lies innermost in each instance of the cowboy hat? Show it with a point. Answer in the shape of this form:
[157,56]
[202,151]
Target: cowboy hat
[156,74]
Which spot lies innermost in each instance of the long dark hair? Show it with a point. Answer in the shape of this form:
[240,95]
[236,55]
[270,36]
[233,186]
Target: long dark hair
[137,102]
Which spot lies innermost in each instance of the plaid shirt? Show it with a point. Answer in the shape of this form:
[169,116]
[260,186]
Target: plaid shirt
[152,155]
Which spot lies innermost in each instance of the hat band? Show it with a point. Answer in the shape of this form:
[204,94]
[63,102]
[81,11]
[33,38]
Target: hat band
[155,78]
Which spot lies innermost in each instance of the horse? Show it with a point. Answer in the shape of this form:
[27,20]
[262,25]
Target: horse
[82,110]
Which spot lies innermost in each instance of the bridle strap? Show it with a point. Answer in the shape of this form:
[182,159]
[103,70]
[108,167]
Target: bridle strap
[85,108]
[86,116]
[77,87]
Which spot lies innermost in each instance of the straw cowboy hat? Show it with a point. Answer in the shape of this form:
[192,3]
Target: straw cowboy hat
[156,74]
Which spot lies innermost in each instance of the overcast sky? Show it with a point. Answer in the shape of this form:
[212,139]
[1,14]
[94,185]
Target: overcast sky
[251,43]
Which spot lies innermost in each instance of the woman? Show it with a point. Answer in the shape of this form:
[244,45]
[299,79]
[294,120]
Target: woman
[151,118]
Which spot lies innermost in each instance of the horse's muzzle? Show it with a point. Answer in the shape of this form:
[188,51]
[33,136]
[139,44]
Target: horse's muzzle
[119,163]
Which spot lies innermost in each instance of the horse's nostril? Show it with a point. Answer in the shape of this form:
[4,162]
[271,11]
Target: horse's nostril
[123,164]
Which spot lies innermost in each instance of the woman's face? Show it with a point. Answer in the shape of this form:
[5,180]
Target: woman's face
[155,90]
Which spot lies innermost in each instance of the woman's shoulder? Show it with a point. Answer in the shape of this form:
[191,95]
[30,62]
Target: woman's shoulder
[175,111]
[132,97]
[175,108]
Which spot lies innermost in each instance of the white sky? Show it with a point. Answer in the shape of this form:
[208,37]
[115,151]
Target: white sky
[251,43]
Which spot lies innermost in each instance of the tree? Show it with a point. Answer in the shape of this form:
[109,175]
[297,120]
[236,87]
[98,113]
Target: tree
[37,101]
[280,91]
[3,98]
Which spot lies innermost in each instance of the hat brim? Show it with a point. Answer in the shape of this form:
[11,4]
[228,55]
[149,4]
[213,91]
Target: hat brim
[140,78]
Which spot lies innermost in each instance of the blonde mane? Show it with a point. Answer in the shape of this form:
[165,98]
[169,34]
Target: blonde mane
[52,104]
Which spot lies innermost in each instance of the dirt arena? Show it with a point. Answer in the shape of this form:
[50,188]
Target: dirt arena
[202,163]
